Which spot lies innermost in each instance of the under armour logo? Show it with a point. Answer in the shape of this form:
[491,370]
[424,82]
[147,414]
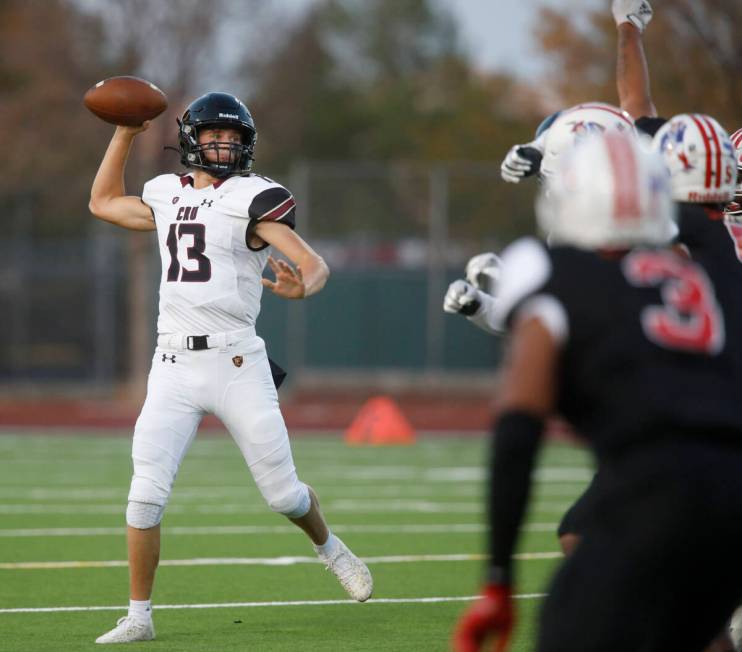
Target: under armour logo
[207,203]
[165,358]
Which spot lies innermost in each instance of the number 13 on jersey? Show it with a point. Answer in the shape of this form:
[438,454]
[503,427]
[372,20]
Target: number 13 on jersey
[192,237]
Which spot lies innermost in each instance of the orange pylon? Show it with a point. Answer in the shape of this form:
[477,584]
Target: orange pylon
[380,421]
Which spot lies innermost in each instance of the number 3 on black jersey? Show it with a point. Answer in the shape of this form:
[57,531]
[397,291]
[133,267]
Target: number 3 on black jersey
[689,318]
[195,252]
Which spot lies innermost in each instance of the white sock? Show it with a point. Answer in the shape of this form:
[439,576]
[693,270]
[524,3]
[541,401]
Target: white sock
[328,547]
[140,609]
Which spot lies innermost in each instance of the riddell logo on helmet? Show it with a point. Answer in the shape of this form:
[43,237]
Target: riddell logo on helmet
[707,197]
[233,116]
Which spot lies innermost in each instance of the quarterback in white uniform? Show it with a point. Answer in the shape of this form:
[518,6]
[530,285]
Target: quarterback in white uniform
[215,228]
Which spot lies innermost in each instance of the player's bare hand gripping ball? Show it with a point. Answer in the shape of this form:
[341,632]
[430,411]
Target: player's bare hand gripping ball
[130,132]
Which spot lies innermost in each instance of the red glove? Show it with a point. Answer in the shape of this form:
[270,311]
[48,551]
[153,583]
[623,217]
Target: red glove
[490,615]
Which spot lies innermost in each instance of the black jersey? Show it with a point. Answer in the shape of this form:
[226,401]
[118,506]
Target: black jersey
[650,125]
[713,239]
[647,350]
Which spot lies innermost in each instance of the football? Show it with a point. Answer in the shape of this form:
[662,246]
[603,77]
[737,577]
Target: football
[125,101]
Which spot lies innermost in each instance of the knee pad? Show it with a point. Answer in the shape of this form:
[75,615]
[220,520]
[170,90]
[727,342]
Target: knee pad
[143,516]
[293,503]
[155,470]
[275,475]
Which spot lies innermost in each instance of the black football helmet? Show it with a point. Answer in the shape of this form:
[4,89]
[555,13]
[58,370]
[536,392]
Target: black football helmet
[217,110]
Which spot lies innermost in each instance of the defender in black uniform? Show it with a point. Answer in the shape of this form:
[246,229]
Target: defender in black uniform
[715,242]
[703,166]
[635,349]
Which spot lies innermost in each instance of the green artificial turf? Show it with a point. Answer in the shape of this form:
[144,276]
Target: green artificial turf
[401,502]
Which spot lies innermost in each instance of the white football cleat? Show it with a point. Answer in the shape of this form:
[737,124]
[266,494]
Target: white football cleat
[351,572]
[129,630]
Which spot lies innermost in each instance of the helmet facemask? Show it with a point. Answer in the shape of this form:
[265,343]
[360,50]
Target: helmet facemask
[231,157]
[217,110]
[734,207]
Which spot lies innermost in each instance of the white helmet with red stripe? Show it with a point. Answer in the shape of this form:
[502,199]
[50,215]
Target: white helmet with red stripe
[734,208]
[576,123]
[608,192]
[700,157]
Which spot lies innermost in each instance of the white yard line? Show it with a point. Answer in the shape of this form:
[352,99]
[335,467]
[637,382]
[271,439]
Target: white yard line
[266,561]
[453,475]
[207,530]
[374,506]
[340,505]
[294,603]
[208,493]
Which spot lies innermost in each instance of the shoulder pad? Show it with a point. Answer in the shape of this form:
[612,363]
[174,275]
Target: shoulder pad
[526,266]
[162,183]
[273,204]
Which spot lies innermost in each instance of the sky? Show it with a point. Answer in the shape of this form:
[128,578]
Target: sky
[497,33]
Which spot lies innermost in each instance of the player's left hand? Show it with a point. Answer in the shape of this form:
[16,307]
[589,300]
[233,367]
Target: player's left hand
[490,616]
[636,12]
[520,162]
[461,297]
[289,282]
[483,271]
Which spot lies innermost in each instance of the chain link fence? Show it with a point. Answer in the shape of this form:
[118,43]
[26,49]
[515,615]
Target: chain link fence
[82,310]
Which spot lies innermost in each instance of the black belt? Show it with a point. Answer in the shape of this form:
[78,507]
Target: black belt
[197,342]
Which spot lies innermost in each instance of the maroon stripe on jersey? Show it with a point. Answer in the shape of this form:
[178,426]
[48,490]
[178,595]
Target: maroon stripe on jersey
[279,211]
[706,142]
[625,177]
[707,122]
[186,180]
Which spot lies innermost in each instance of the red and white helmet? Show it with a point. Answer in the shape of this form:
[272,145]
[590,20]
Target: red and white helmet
[578,122]
[608,192]
[734,208]
[700,157]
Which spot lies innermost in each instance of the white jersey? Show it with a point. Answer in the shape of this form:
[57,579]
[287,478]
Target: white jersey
[210,273]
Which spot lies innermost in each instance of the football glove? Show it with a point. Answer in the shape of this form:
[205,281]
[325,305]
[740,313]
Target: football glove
[490,616]
[462,297]
[521,161]
[636,12]
[483,272]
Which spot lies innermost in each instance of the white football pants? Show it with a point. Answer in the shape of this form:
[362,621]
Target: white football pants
[232,381]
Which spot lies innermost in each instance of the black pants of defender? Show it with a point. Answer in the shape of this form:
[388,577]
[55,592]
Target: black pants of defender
[655,569]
